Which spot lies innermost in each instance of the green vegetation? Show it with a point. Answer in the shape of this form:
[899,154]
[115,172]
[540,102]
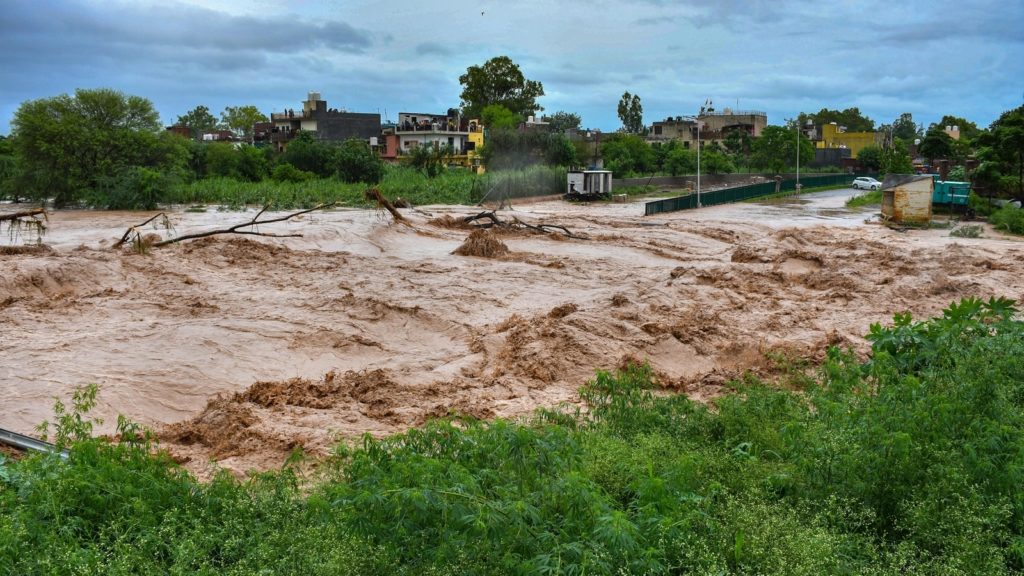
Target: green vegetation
[966,231]
[631,113]
[910,463]
[776,148]
[499,81]
[865,199]
[1009,218]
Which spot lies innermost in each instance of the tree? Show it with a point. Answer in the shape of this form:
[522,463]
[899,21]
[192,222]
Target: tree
[240,120]
[936,144]
[560,151]
[499,81]
[307,154]
[870,157]
[851,119]
[679,160]
[1004,144]
[968,130]
[905,129]
[198,120]
[775,148]
[561,121]
[714,161]
[626,154]
[896,159]
[356,162]
[497,117]
[631,113]
[67,145]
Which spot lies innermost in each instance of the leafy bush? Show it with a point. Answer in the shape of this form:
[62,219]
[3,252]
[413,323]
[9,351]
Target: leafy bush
[1009,218]
[966,231]
[285,172]
[356,162]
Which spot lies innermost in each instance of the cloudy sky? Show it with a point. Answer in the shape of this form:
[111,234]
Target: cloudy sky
[930,58]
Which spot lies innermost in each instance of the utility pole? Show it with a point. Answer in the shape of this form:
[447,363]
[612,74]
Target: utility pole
[798,156]
[699,123]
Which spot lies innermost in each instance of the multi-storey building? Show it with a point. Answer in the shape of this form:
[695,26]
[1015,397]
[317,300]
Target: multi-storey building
[327,124]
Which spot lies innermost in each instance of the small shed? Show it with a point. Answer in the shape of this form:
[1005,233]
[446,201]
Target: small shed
[588,184]
[907,198]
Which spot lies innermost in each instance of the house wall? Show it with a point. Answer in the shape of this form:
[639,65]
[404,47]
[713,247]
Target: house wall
[910,202]
[831,137]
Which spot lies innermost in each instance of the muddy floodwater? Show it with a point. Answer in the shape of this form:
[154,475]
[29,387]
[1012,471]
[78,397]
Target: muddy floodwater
[237,349]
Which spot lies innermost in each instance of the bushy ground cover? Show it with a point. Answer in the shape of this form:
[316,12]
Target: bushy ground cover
[909,463]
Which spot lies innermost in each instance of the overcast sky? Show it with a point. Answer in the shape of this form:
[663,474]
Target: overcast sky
[929,58]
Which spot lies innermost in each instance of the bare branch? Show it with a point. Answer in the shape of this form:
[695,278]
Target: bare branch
[237,229]
[128,232]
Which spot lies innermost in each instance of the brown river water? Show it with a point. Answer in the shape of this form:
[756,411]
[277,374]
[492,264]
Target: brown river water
[237,349]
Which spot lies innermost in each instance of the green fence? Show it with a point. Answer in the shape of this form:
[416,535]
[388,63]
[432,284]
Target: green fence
[740,193]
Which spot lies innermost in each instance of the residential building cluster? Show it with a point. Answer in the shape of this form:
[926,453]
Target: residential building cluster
[464,137]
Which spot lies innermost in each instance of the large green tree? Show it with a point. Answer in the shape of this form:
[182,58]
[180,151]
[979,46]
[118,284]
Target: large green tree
[499,81]
[240,120]
[631,113]
[198,120]
[851,118]
[626,154]
[935,145]
[968,130]
[69,146]
[776,148]
[896,159]
[870,157]
[1002,152]
[905,128]
[561,121]
[497,117]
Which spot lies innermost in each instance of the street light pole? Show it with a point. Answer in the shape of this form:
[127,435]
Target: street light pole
[698,163]
[798,156]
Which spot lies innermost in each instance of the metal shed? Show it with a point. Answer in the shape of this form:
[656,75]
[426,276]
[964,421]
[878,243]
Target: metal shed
[907,198]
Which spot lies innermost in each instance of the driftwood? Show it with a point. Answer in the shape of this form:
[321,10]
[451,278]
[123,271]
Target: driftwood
[23,214]
[374,195]
[492,220]
[236,229]
[27,220]
[135,229]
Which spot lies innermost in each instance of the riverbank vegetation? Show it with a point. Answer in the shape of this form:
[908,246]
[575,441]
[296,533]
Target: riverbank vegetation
[908,463]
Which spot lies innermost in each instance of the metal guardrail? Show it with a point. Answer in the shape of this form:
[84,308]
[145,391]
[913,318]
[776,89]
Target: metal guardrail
[740,193]
[28,443]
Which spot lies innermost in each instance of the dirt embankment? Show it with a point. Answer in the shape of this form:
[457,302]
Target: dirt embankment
[241,350]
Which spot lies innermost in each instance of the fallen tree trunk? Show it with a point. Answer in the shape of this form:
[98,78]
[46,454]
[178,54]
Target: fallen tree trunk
[493,221]
[238,229]
[22,214]
[382,202]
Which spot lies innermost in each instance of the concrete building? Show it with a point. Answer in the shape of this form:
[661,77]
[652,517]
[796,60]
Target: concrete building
[327,124]
[715,126]
[832,135]
[907,198]
[414,130]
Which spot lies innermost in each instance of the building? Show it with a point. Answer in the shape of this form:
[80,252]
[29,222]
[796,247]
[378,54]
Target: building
[907,198]
[715,126]
[832,135]
[462,138]
[327,124]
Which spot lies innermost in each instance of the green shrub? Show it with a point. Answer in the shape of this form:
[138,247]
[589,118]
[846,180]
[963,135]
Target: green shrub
[1009,218]
[285,172]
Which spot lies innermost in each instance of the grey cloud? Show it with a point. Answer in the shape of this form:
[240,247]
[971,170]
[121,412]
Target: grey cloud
[63,23]
[433,48]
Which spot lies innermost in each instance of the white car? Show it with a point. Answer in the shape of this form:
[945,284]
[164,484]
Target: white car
[865,183]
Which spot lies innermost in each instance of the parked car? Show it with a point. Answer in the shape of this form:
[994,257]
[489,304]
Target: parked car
[865,183]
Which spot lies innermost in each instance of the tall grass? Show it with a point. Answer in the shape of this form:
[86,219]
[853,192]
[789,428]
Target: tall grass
[910,463]
[453,186]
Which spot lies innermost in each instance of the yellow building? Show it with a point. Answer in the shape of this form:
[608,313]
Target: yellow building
[833,136]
